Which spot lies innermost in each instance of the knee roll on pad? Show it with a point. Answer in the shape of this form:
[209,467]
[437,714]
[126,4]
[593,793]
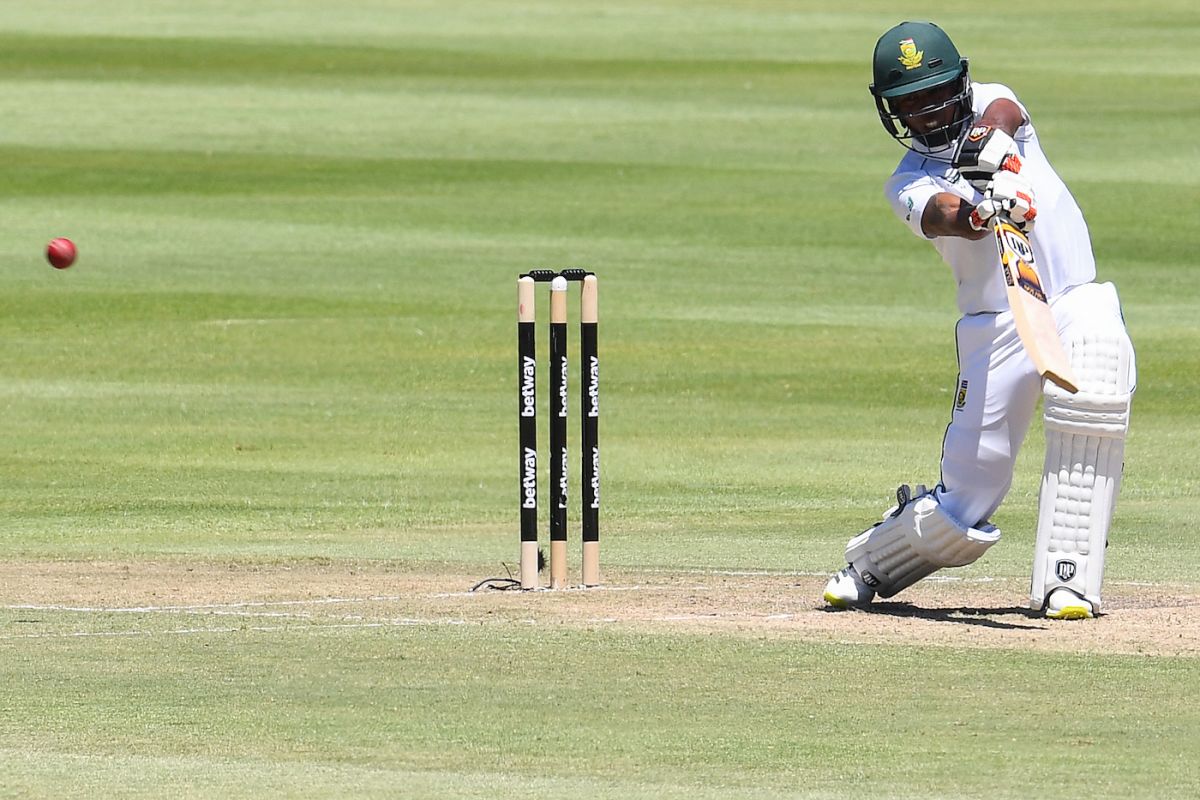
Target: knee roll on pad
[915,538]
[1085,449]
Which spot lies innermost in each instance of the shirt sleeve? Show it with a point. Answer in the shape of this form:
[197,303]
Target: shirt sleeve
[909,193]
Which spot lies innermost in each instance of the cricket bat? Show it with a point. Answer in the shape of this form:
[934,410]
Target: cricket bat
[1031,312]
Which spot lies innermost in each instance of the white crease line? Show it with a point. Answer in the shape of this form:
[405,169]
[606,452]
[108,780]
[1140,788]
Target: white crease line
[202,613]
[204,607]
[107,634]
[223,613]
[539,590]
[398,623]
[760,573]
[958,579]
[726,617]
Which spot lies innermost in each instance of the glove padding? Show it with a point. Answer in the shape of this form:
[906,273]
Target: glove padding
[983,151]
[1009,194]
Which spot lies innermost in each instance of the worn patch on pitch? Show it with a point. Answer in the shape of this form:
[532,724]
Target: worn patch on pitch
[159,598]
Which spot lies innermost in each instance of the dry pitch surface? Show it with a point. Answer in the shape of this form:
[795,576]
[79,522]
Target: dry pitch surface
[82,599]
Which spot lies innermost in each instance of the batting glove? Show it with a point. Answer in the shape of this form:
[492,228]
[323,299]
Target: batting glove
[983,151]
[981,215]
[1008,194]
[987,149]
[1016,192]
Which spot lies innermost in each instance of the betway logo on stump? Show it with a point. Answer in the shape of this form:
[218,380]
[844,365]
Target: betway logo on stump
[562,388]
[595,478]
[593,388]
[528,392]
[529,479]
[562,479]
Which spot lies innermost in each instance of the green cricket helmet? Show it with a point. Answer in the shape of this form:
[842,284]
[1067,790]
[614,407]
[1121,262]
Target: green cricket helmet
[913,57]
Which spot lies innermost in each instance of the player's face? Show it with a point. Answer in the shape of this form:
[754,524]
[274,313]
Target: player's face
[929,121]
[928,110]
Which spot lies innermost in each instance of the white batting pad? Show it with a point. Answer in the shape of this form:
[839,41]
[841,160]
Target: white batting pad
[915,539]
[1085,449]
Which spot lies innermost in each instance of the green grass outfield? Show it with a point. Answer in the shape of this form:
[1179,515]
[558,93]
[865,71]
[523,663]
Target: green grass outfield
[290,340]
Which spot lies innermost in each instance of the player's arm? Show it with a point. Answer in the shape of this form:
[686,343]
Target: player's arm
[950,215]
[927,210]
[1008,193]
[1004,114]
[988,146]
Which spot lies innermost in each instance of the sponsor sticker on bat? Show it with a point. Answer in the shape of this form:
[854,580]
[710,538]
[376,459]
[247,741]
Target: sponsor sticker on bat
[1017,261]
[1027,279]
[1015,240]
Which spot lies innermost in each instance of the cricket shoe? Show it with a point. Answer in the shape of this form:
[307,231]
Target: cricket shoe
[1065,604]
[847,590]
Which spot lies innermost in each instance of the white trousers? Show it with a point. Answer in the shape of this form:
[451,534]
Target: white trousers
[996,395]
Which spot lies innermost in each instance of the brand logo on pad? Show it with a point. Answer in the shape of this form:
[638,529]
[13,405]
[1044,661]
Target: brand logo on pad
[868,579]
[1065,570]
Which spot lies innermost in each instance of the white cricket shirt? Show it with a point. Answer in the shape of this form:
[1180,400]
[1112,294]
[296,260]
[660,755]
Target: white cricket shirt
[1061,245]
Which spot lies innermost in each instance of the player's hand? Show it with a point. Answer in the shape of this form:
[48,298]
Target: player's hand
[1009,194]
[1016,193]
[983,151]
[981,215]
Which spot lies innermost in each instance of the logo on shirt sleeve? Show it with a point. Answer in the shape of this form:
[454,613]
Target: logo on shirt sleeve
[960,400]
[910,204]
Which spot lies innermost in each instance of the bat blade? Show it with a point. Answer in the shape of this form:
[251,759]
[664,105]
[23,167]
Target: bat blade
[1032,315]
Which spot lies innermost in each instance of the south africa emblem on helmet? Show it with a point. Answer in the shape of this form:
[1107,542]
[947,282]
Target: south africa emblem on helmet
[910,56]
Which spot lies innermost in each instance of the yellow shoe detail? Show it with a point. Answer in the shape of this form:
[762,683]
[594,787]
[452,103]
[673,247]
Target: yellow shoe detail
[1070,612]
[835,601]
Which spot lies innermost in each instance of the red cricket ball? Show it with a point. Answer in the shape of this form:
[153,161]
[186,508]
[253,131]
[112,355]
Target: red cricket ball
[61,253]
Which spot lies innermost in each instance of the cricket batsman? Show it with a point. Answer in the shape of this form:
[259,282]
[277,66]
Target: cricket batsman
[973,154]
